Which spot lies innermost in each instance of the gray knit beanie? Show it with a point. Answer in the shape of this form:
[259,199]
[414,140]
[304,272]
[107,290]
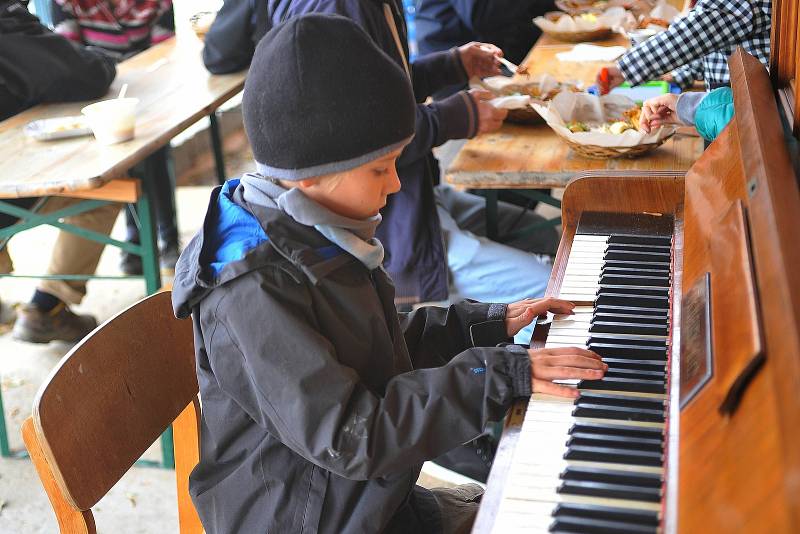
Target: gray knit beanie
[321,98]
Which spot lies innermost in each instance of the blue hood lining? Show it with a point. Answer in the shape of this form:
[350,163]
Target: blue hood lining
[235,233]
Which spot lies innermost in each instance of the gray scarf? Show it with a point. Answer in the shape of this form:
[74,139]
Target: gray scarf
[353,235]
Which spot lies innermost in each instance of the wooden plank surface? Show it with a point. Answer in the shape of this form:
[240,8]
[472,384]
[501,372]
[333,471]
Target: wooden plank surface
[174,91]
[532,156]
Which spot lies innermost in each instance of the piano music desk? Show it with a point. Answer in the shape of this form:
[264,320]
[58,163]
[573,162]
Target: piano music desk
[527,158]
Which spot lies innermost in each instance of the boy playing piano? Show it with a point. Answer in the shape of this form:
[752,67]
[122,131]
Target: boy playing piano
[320,401]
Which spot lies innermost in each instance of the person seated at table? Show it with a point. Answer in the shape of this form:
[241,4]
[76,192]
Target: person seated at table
[309,376]
[697,46]
[38,66]
[709,112]
[508,24]
[123,29]
[423,216]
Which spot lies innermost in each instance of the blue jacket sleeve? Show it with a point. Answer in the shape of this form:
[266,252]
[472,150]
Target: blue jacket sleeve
[229,45]
[436,71]
[714,113]
[490,16]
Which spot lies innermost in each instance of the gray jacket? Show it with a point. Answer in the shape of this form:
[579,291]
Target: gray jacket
[320,402]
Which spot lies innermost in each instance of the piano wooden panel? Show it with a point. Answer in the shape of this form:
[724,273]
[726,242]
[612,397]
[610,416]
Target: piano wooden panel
[725,472]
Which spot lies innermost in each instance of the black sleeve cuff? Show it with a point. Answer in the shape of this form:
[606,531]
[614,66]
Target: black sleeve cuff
[492,331]
[519,369]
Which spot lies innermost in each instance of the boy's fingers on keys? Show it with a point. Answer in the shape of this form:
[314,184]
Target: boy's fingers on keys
[548,388]
[566,373]
[573,350]
[572,360]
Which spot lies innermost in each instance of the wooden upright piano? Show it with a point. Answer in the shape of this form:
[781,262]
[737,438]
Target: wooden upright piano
[689,288]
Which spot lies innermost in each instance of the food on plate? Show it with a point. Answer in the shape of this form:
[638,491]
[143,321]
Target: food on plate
[629,121]
[75,123]
[576,127]
[646,22]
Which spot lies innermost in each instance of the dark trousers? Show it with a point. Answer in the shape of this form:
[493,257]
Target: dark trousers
[157,166]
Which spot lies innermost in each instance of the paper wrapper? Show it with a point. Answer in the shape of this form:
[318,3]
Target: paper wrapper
[610,18]
[662,10]
[505,86]
[588,52]
[592,110]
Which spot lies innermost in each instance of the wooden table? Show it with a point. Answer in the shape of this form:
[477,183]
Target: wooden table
[530,157]
[174,91]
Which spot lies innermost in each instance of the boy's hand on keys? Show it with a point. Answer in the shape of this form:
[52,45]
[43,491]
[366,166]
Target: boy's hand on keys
[561,364]
[658,111]
[489,117]
[520,314]
[480,59]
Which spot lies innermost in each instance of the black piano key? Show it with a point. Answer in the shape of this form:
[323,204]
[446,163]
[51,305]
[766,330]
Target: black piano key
[614,372]
[613,308]
[583,525]
[635,290]
[634,279]
[619,442]
[598,511]
[640,247]
[616,270]
[611,476]
[590,397]
[636,352]
[638,301]
[604,338]
[614,429]
[633,385]
[634,365]
[610,491]
[665,241]
[621,317]
[631,256]
[622,413]
[614,327]
[616,456]
[642,266]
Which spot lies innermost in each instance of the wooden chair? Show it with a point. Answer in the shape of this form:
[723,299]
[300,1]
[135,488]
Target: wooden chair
[107,401]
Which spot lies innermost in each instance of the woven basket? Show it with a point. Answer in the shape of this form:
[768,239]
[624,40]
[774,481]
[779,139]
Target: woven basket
[605,152]
[576,7]
[581,37]
[524,116]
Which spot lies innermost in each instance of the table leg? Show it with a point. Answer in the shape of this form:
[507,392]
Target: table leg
[491,214]
[216,145]
[5,451]
[147,236]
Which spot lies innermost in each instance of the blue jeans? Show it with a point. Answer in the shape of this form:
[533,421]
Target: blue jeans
[485,270]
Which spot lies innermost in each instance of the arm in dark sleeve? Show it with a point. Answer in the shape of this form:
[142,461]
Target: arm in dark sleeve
[287,377]
[55,69]
[492,16]
[229,45]
[435,71]
[454,117]
[712,25]
[435,334]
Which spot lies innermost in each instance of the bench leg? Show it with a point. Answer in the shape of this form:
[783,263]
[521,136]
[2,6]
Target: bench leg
[216,145]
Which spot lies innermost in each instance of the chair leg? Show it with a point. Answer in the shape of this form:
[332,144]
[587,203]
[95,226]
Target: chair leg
[69,518]
[5,451]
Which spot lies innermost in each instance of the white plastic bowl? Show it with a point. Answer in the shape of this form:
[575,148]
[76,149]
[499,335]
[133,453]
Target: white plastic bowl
[112,121]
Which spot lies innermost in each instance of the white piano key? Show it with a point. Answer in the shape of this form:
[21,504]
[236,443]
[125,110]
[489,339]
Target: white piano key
[589,237]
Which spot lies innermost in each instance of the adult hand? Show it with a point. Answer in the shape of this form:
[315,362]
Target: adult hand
[480,59]
[520,314]
[489,117]
[609,78]
[560,364]
[658,111]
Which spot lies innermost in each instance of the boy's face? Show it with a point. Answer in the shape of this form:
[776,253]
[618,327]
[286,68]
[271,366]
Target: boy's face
[359,193]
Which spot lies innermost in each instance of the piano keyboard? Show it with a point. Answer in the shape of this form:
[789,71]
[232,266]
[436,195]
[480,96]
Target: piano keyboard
[595,464]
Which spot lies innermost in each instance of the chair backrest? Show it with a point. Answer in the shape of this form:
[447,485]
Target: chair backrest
[107,401]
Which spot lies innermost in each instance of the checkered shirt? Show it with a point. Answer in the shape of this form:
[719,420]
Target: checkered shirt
[697,46]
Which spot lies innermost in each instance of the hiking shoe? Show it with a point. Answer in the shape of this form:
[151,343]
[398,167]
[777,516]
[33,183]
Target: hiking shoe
[59,324]
[130,264]
[167,258]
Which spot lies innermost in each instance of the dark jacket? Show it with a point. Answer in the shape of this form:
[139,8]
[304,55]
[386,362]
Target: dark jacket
[39,66]
[320,402]
[443,24]
[415,254]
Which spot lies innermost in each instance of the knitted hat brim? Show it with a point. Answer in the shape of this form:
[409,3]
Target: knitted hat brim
[327,168]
